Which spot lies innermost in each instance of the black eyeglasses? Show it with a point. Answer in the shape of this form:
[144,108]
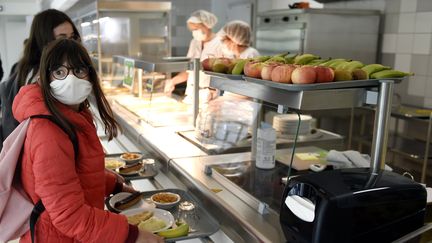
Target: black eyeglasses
[62,72]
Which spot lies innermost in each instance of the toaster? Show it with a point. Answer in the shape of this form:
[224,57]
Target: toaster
[351,205]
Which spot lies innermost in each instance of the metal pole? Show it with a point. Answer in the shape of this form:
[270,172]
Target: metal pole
[140,83]
[380,135]
[351,126]
[426,154]
[196,69]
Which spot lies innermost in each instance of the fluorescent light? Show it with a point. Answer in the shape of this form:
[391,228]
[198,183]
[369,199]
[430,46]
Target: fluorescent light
[62,5]
[104,19]
[84,24]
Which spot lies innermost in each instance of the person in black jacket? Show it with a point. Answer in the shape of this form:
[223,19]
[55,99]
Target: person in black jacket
[47,26]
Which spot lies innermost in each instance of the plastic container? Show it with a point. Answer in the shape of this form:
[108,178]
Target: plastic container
[266,147]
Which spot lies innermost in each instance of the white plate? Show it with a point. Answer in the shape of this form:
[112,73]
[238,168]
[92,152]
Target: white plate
[131,172]
[142,204]
[159,213]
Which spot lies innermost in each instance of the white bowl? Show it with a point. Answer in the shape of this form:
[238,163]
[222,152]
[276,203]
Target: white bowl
[138,158]
[167,205]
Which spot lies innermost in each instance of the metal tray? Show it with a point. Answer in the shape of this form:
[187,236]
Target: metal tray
[147,174]
[320,86]
[206,225]
[224,75]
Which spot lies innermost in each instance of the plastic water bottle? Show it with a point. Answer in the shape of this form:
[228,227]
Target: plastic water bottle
[266,147]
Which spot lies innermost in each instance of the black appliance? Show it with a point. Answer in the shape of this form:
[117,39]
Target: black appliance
[351,205]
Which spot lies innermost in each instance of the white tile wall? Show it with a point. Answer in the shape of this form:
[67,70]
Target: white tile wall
[417,85]
[391,23]
[407,22]
[423,22]
[408,5]
[404,43]
[389,43]
[378,4]
[422,43]
[420,64]
[403,62]
[392,6]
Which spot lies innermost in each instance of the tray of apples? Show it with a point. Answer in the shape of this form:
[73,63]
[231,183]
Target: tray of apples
[309,72]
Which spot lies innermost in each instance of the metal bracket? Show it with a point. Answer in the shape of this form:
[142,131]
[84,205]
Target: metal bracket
[282,109]
[371,97]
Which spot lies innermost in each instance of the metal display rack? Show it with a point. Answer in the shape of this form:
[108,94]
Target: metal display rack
[324,96]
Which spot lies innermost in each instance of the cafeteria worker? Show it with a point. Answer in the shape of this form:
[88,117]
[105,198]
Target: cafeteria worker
[205,43]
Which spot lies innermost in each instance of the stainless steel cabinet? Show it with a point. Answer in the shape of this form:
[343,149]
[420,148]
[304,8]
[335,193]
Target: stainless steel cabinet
[325,32]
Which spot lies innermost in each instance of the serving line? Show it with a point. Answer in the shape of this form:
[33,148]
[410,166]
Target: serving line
[233,213]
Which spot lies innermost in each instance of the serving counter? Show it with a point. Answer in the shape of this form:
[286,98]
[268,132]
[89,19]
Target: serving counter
[244,200]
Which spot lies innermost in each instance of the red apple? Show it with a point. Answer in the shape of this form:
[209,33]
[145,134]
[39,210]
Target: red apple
[282,73]
[267,69]
[221,65]
[324,74]
[207,63]
[304,75]
[253,69]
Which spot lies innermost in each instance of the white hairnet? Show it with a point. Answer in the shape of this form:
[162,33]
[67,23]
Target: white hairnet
[238,31]
[203,17]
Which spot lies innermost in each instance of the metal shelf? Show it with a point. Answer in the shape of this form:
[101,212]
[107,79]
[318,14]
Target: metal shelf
[153,64]
[406,147]
[317,99]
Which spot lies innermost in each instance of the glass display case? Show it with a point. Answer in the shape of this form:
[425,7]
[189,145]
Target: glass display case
[124,28]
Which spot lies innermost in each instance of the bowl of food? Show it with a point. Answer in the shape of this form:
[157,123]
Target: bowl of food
[165,200]
[131,158]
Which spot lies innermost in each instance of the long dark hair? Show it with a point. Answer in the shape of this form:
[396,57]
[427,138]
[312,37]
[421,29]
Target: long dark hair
[41,33]
[75,55]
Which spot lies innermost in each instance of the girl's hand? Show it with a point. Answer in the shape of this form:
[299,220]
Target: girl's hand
[148,237]
[127,188]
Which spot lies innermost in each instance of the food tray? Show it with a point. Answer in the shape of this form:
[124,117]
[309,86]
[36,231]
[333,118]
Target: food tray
[320,86]
[224,75]
[206,225]
[141,175]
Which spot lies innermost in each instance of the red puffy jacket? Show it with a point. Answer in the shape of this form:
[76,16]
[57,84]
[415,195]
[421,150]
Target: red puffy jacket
[72,192]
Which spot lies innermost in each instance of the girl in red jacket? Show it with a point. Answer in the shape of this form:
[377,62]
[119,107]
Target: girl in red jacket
[72,191]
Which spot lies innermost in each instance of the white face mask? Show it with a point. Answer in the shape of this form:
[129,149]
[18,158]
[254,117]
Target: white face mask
[198,35]
[226,51]
[71,90]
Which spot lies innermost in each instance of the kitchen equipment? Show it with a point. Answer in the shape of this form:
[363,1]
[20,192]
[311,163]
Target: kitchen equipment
[351,205]
[325,32]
